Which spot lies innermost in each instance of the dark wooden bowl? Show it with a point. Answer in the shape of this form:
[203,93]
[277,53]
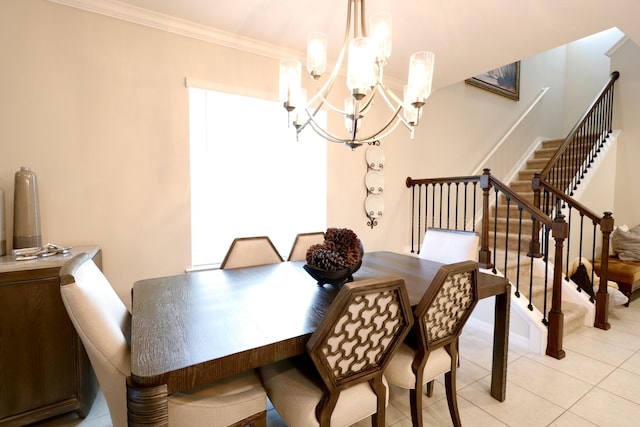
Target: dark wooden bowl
[334,278]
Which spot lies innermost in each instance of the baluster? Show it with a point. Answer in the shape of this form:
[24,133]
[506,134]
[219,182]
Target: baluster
[534,245]
[426,209]
[475,189]
[519,251]
[457,202]
[413,215]
[506,239]
[568,242]
[581,233]
[495,229]
[441,202]
[433,204]
[530,305]
[449,204]
[593,257]
[545,258]
[419,214]
[464,219]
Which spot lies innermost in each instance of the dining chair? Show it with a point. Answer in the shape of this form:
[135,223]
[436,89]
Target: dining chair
[302,242]
[431,349]
[104,324]
[250,251]
[449,246]
[339,381]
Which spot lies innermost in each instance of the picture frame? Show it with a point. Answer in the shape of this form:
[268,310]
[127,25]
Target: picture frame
[503,81]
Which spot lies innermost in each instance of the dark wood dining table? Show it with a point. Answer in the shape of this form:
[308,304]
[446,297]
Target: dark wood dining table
[197,327]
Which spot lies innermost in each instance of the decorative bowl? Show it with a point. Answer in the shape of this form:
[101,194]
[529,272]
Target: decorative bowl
[334,278]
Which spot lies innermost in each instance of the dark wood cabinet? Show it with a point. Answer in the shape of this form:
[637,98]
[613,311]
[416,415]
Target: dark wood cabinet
[44,369]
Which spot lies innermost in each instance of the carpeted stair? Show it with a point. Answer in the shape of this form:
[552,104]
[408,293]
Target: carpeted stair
[573,313]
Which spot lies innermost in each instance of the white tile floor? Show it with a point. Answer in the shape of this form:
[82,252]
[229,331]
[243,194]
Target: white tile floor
[597,384]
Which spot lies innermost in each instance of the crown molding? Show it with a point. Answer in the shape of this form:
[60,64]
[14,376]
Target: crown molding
[137,15]
[159,21]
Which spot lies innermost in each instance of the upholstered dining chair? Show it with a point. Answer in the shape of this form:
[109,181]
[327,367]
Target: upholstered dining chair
[302,243]
[432,348]
[340,382]
[103,324]
[449,246]
[250,251]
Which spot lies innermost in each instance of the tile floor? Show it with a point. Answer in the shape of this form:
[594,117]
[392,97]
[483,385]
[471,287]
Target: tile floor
[597,384]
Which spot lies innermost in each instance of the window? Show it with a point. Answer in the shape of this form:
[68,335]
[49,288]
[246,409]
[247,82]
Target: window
[249,175]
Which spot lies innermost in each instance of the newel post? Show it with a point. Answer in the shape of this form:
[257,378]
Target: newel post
[602,296]
[484,257]
[534,245]
[556,317]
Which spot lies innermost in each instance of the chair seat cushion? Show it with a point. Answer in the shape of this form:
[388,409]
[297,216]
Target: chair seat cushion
[399,371]
[220,403]
[294,388]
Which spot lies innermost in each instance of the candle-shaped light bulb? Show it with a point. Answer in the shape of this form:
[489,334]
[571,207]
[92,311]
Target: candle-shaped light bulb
[290,83]
[316,54]
[420,77]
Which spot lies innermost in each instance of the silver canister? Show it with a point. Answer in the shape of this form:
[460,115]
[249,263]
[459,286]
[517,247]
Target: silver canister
[26,210]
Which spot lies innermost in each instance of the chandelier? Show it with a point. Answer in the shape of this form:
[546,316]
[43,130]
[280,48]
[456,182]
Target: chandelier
[368,53]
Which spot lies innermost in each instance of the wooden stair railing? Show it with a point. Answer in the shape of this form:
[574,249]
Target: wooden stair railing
[453,203]
[564,172]
[551,200]
[567,167]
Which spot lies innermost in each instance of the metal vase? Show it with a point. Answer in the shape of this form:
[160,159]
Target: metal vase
[26,211]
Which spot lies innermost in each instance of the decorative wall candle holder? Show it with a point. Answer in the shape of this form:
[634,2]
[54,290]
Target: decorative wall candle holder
[374,182]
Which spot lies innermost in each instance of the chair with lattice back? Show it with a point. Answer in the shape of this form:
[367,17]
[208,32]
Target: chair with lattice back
[432,348]
[251,251]
[340,382]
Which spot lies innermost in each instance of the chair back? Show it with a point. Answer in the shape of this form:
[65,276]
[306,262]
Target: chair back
[449,246]
[446,305]
[250,251]
[355,340]
[103,323]
[302,243]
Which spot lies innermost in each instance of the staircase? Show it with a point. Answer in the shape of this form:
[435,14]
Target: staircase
[574,314]
[506,232]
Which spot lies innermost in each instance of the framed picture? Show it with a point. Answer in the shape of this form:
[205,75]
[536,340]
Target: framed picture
[504,81]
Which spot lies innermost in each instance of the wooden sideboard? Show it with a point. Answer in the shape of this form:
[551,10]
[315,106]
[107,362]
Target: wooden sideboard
[44,369]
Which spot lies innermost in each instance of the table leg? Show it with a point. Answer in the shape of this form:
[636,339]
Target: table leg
[500,345]
[147,406]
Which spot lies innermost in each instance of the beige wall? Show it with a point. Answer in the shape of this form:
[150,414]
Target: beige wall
[627,107]
[97,108]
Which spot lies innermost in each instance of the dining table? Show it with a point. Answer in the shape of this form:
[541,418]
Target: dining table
[197,327]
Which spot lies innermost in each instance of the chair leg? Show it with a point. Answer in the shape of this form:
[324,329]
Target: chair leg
[452,396]
[429,389]
[415,399]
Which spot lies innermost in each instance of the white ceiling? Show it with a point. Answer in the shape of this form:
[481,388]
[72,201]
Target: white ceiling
[468,37]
